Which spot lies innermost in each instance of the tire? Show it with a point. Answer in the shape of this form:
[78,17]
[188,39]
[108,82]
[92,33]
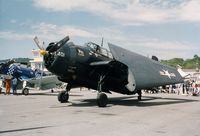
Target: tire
[25,91]
[63,97]
[102,100]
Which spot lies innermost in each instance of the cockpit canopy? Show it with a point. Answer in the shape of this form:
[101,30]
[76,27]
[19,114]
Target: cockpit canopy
[98,49]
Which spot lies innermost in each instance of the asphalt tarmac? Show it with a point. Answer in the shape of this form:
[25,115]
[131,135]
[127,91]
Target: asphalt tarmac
[40,114]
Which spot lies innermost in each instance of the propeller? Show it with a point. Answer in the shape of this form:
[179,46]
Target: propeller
[54,46]
[48,53]
[42,52]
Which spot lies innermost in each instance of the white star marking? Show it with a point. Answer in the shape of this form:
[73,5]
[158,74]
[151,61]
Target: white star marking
[166,73]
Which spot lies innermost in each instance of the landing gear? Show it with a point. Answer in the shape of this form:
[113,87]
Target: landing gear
[102,98]
[64,95]
[139,95]
[25,91]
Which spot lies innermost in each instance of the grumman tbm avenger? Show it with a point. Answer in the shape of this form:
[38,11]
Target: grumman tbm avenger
[117,70]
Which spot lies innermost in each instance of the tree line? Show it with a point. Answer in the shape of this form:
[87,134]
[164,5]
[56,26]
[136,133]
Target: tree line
[185,64]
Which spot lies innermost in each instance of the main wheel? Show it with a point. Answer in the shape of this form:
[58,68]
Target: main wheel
[63,97]
[25,91]
[102,99]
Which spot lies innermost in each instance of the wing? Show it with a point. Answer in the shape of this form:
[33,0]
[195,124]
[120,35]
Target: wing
[46,82]
[146,72]
[113,67]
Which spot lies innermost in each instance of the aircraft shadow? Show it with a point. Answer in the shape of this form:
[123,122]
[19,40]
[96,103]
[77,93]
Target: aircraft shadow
[24,129]
[132,101]
[47,94]
[54,94]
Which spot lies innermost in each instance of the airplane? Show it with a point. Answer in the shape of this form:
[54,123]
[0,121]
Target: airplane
[31,78]
[92,66]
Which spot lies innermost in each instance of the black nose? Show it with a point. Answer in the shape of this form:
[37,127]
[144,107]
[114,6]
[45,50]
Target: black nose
[51,49]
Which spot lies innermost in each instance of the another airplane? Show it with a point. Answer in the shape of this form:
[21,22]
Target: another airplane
[32,78]
[182,73]
[92,66]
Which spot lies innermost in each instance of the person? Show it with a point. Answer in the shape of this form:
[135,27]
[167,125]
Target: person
[1,85]
[193,88]
[8,85]
[179,88]
[196,92]
[14,86]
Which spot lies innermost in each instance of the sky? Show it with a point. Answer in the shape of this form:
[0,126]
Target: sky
[164,28]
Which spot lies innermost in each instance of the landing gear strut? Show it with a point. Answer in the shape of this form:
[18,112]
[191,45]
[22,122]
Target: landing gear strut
[139,95]
[102,98]
[64,95]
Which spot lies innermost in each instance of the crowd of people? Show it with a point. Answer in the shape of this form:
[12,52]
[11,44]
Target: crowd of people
[190,87]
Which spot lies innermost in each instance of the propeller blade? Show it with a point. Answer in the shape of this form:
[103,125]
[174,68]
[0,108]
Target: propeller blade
[63,41]
[58,45]
[37,42]
[102,42]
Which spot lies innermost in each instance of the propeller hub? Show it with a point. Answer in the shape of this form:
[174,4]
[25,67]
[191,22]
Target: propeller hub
[43,52]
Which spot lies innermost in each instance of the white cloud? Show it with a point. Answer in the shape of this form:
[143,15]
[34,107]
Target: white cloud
[162,49]
[130,12]
[53,32]
[143,45]
[9,35]
[190,11]
[49,32]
